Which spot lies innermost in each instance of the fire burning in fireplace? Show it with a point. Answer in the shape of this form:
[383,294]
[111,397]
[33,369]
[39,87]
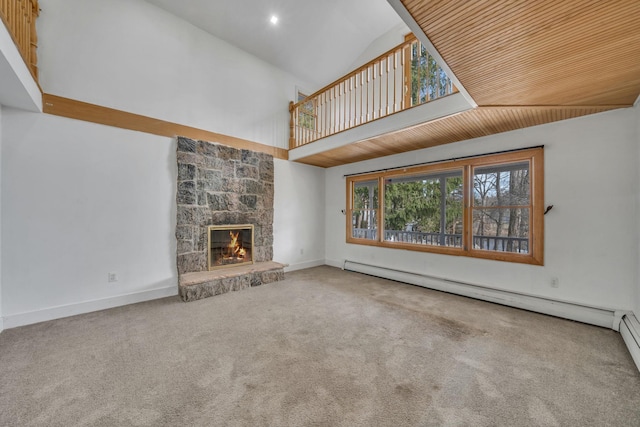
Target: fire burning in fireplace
[235,249]
[230,245]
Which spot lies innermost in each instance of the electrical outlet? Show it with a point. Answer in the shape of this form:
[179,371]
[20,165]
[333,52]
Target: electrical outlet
[301,251]
[112,277]
[555,282]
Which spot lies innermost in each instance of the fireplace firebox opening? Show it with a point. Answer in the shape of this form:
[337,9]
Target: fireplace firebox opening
[230,245]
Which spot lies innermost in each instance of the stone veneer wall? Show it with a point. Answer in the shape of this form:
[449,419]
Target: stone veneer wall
[221,185]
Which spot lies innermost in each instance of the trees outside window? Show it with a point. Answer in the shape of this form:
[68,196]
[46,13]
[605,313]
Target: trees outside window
[424,209]
[501,207]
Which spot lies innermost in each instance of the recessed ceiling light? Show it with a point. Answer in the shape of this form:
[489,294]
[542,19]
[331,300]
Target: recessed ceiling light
[274,19]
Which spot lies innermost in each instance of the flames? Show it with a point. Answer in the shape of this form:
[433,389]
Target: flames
[235,249]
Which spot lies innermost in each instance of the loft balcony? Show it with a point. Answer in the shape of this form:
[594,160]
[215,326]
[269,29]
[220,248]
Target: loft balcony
[18,58]
[400,88]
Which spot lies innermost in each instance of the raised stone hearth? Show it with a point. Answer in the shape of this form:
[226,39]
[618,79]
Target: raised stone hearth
[203,284]
[222,186]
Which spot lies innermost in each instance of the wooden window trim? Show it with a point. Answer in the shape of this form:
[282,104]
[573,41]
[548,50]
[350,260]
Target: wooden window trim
[536,217]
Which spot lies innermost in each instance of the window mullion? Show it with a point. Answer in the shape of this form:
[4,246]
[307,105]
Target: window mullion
[381,204]
[443,208]
[467,197]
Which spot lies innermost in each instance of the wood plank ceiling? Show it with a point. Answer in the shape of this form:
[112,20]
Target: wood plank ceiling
[525,63]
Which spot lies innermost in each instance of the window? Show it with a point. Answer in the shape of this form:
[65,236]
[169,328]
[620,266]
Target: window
[424,209]
[307,114]
[501,207]
[364,214]
[485,207]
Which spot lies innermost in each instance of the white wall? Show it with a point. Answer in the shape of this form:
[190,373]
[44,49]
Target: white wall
[382,44]
[133,56]
[591,178]
[1,318]
[637,119]
[18,89]
[298,228]
[80,201]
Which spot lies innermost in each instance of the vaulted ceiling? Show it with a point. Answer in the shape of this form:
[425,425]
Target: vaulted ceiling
[316,41]
[524,63]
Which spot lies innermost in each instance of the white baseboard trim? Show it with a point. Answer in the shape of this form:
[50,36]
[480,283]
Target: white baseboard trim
[28,318]
[630,331]
[303,265]
[334,263]
[1,324]
[599,316]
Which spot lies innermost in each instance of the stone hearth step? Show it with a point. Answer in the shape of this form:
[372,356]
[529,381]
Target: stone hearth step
[203,284]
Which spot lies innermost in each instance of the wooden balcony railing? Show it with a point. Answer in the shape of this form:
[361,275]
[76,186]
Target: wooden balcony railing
[399,79]
[490,243]
[19,16]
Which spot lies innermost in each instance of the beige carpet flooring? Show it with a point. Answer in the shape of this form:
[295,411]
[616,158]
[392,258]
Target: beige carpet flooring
[322,348]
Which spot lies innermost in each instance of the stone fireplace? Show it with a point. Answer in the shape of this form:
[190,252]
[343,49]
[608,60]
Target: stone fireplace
[223,194]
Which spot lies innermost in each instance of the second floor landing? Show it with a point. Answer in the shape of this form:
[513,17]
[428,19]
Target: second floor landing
[512,65]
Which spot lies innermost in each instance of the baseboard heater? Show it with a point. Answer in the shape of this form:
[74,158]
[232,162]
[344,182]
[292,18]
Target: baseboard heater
[604,317]
[630,331]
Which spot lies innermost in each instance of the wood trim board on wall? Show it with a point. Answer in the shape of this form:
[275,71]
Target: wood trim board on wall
[79,110]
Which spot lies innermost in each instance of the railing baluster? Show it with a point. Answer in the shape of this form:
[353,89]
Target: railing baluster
[321,116]
[344,105]
[380,91]
[352,101]
[331,113]
[356,88]
[374,81]
[337,109]
[384,77]
[345,111]
[361,78]
[327,121]
[349,93]
[300,128]
[395,81]
[366,108]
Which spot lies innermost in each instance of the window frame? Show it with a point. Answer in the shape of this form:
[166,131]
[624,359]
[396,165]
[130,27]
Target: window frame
[535,157]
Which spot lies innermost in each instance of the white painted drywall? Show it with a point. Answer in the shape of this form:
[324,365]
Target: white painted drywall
[298,226]
[636,108]
[136,57]
[79,201]
[592,180]
[1,318]
[382,44]
[82,200]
